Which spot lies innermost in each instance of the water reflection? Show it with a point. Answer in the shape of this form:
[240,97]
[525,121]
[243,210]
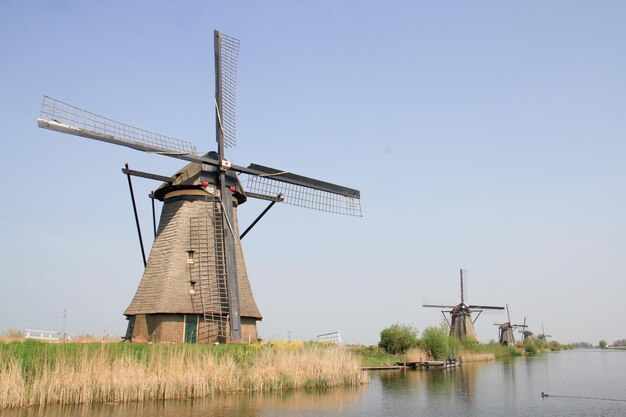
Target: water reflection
[431,391]
[244,405]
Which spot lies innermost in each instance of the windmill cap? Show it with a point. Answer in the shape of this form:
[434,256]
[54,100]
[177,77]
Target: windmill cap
[194,176]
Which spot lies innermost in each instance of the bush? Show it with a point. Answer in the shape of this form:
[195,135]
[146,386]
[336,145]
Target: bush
[14,333]
[398,338]
[513,350]
[454,344]
[603,344]
[621,342]
[540,344]
[530,348]
[554,345]
[435,342]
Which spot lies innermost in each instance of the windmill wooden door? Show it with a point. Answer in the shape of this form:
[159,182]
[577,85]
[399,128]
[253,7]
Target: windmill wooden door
[191,328]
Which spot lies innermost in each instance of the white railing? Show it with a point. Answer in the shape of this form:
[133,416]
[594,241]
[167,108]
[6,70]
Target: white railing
[45,335]
[333,337]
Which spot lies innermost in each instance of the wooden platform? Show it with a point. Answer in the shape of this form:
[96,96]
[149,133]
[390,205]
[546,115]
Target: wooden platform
[381,367]
[438,364]
[414,365]
[410,364]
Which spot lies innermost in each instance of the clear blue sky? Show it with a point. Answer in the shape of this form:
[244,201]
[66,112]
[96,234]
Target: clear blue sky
[483,135]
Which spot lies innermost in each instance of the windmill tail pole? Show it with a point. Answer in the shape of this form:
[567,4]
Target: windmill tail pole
[132,197]
[153,214]
[278,198]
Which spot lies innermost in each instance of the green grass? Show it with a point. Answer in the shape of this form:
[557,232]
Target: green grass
[35,354]
[375,356]
[495,348]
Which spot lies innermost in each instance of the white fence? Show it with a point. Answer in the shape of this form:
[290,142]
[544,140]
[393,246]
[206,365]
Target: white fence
[333,337]
[45,335]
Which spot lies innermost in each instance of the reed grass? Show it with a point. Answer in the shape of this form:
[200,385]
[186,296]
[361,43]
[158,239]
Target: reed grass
[40,374]
[417,354]
[475,352]
[466,356]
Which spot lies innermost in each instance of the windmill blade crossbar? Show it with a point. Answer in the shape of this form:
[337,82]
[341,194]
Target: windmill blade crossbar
[304,192]
[63,117]
[148,175]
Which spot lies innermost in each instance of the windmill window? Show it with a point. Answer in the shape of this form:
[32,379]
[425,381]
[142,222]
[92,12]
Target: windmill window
[190,257]
[192,287]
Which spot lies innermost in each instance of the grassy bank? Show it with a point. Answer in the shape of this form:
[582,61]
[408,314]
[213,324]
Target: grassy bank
[375,356]
[476,352]
[466,352]
[33,373]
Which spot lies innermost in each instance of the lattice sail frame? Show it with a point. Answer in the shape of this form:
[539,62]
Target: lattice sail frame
[65,115]
[228,67]
[301,196]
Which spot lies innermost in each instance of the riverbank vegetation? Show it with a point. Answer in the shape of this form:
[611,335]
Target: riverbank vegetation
[618,344]
[401,343]
[35,373]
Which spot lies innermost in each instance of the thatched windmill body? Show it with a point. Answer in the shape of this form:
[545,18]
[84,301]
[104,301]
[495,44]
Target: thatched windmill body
[461,323]
[505,330]
[195,286]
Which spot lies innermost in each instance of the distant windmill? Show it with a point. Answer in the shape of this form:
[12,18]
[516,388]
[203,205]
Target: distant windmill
[461,323]
[505,330]
[195,286]
[543,336]
[526,334]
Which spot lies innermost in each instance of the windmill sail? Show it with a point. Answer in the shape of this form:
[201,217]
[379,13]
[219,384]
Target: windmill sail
[304,192]
[438,305]
[266,182]
[226,50]
[227,54]
[65,118]
[483,307]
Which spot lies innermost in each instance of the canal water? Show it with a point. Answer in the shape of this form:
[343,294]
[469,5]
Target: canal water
[579,382]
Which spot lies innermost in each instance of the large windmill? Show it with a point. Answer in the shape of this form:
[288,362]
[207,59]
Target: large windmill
[543,336]
[526,334]
[461,323]
[505,330]
[195,286]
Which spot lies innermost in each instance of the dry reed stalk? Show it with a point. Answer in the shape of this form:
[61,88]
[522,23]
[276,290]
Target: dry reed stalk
[179,372]
[476,357]
[9,339]
[12,383]
[416,354]
[311,366]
